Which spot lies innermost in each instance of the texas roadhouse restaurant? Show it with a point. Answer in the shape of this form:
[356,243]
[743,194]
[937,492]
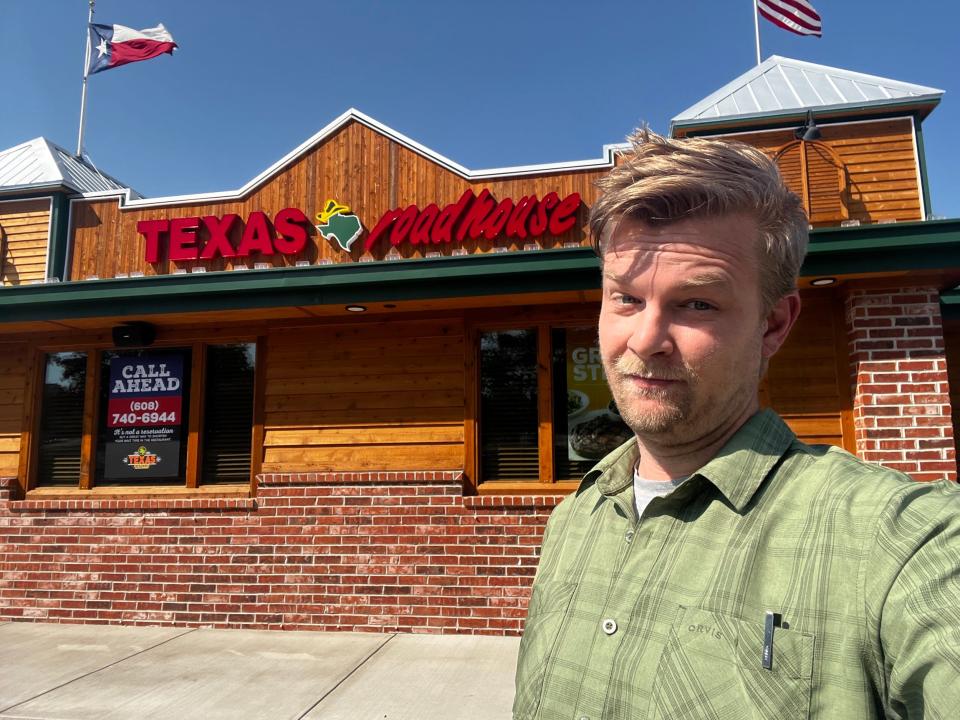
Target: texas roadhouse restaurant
[347,395]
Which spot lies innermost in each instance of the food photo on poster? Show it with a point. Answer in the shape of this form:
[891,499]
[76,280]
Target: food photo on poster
[144,416]
[594,425]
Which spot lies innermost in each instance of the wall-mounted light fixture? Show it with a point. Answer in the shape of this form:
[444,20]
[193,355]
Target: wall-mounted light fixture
[809,131]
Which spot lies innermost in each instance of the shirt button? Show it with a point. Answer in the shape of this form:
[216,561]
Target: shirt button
[629,536]
[584,717]
[609,626]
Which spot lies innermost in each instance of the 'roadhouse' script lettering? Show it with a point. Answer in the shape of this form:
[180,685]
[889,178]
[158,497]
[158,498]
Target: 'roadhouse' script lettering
[475,216]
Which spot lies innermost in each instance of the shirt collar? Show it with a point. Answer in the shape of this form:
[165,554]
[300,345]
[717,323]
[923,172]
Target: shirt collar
[737,471]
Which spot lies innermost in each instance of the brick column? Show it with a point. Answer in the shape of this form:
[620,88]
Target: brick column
[901,404]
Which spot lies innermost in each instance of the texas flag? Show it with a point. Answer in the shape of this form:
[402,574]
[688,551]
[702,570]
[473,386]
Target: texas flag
[115,45]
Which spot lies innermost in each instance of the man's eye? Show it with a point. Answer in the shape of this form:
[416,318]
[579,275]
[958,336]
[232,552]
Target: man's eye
[629,300]
[699,305]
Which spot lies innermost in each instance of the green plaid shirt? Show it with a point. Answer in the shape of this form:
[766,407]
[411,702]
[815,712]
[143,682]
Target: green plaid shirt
[664,617]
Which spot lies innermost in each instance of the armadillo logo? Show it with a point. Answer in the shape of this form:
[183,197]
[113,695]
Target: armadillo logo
[336,222]
[142,459]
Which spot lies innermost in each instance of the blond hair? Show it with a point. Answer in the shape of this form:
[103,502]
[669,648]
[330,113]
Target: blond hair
[661,181]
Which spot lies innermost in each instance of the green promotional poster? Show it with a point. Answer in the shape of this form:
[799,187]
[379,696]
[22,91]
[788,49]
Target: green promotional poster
[594,426]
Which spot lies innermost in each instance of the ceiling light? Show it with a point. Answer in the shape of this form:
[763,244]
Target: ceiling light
[356,308]
[820,282]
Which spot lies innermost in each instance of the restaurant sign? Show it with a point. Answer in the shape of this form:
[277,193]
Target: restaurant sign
[472,217]
[477,216]
[144,417]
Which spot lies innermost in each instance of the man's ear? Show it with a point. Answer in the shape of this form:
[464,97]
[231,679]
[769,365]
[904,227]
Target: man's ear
[779,321]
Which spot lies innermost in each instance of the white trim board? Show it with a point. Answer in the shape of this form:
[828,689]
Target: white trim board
[126,200]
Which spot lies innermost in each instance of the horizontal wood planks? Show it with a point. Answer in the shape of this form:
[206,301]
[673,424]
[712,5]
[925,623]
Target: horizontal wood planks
[24,227]
[13,369]
[807,383]
[373,396]
[354,167]
[880,162]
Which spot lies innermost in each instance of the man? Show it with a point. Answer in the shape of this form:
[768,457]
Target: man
[715,566]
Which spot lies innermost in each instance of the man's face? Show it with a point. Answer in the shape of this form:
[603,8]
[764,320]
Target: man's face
[682,330]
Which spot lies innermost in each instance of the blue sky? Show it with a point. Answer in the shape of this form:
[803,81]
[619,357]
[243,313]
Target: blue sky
[488,84]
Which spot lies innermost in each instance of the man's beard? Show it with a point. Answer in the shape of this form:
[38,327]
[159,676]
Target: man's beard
[667,408]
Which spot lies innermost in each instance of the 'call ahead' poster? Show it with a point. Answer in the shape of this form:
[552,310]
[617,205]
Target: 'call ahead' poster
[144,417]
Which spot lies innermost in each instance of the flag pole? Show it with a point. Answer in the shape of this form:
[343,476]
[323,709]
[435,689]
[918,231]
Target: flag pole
[756,29]
[83,96]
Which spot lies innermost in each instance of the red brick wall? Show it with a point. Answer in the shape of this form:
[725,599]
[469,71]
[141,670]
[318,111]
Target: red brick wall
[324,551]
[901,393]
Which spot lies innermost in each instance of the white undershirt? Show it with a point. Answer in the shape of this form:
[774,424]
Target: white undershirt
[646,490]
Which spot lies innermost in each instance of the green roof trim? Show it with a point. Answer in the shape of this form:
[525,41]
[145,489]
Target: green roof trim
[432,278]
[922,158]
[59,237]
[791,118]
[918,245]
[833,251]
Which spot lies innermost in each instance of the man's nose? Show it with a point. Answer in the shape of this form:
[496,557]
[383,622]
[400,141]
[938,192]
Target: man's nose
[651,333]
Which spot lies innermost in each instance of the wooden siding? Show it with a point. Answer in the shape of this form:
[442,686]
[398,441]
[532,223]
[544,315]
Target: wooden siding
[391,395]
[13,369]
[880,162]
[374,396]
[24,227]
[809,379]
[358,167]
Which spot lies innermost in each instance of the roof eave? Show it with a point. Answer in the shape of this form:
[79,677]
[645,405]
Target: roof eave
[911,246]
[35,188]
[924,104]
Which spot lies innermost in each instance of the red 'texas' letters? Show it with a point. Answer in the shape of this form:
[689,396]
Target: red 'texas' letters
[207,238]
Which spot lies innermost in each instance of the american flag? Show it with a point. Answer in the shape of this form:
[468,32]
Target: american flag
[797,16]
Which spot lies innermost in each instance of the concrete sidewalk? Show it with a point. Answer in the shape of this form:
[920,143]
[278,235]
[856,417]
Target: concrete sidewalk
[106,672]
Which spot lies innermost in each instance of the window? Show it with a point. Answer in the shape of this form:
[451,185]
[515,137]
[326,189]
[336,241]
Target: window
[61,418]
[508,406]
[545,414]
[175,416]
[586,423]
[228,416]
[143,419]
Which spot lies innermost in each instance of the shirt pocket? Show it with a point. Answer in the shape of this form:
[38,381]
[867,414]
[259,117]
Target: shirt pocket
[547,610]
[712,667]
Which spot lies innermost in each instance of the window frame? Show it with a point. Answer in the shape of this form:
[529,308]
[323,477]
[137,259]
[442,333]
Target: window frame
[543,322]
[86,482]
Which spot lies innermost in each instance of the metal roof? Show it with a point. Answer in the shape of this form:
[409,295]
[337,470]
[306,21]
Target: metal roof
[39,164]
[780,85]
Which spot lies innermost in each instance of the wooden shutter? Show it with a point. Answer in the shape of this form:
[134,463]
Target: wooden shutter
[815,172]
[790,162]
[826,185]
